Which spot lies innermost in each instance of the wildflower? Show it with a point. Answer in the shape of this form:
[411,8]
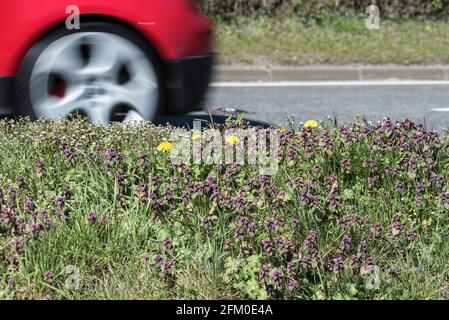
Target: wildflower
[232,139]
[311,124]
[311,240]
[168,244]
[158,259]
[295,223]
[141,189]
[10,282]
[411,236]
[92,217]
[207,223]
[267,246]
[292,285]
[40,168]
[346,165]
[19,245]
[263,273]
[48,276]
[227,245]
[20,182]
[196,136]
[337,265]
[165,146]
[306,262]
[276,275]
[345,244]
[168,267]
[291,269]
[363,249]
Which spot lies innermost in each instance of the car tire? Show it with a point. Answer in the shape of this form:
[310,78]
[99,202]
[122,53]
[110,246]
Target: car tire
[103,70]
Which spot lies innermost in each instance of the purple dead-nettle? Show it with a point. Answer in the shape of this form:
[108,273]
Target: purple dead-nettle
[168,267]
[19,244]
[263,273]
[411,236]
[291,269]
[267,247]
[292,285]
[206,224]
[158,260]
[92,217]
[437,181]
[11,193]
[376,230]
[168,244]
[11,283]
[345,244]
[311,240]
[346,165]
[295,223]
[337,265]
[20,182]
[40,168]
[362,249]
[141,189]
[29,206]
[277,276]
[227,245]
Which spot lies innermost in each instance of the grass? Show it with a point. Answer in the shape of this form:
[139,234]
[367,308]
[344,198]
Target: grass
[91,212]
[332,41]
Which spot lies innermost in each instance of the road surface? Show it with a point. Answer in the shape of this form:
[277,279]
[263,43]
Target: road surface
[273,103]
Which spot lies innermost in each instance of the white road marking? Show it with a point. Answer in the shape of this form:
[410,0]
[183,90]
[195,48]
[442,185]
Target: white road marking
[330,83]
[441,109]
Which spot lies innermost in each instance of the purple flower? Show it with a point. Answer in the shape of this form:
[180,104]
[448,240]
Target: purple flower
[10,282]
[295,223]
[206,223]
[267,247]
[48,275]
[168,267]
[276,276]
[411,236]
[40,168]
[306,262]
[29,206]
[291,269]
[19,245]
[346,165]
[292,285]
[337,265]
[311,240]
[158,259]
[227,245]
[141,189]
[92,217]
[263,273]
[20,182]
[168,244]
[345,244]
[363,249]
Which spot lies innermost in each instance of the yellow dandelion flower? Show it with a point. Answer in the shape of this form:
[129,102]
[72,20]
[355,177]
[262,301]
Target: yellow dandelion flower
[196,136]
[165,146]
[311,124]
[232,140]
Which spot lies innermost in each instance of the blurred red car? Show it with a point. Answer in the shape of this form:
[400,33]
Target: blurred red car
[126,60]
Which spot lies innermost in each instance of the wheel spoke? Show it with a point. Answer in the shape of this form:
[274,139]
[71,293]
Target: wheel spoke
[59,108]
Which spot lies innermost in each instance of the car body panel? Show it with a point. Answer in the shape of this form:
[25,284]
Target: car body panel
[180,35]
[175,28]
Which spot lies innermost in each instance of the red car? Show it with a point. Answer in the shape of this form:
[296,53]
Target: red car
[125,60]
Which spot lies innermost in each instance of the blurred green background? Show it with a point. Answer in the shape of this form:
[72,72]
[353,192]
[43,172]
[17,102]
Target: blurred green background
[330,32]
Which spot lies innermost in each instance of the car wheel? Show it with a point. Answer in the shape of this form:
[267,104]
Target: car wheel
[103,71]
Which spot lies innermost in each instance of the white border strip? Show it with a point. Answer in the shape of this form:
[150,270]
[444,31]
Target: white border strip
[330,83]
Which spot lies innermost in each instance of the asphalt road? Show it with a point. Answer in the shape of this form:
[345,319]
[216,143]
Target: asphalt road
[273,103]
